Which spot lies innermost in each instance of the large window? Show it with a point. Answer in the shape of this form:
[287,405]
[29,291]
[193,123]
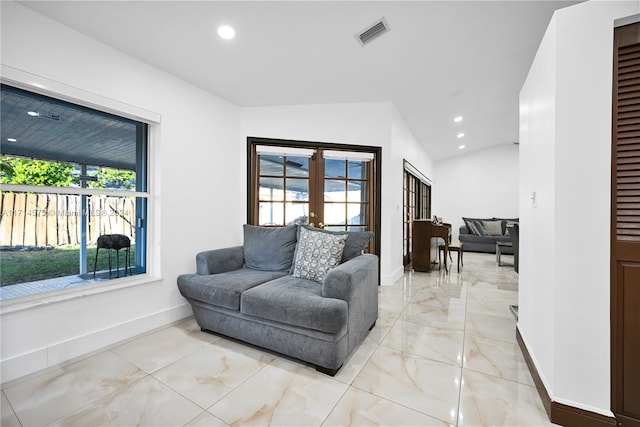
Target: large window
[71,177]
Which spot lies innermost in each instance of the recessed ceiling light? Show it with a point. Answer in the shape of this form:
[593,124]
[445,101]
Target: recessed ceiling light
[460,135]
[12,140]
[458,119]
[226,32]
[461,147]
[33,113]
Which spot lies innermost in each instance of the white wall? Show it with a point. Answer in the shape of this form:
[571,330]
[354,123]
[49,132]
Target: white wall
[373,124]
[481,184]
[197,148]
[565,158]
[537,261]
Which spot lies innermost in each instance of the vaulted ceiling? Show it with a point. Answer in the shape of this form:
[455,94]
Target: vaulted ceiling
[440,59]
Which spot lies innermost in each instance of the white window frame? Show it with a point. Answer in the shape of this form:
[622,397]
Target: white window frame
[40,85]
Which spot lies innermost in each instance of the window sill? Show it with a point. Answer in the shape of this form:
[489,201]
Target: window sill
[43,299]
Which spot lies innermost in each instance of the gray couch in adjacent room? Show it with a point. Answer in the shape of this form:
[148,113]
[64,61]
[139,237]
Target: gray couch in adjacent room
[481,234]
[302,292]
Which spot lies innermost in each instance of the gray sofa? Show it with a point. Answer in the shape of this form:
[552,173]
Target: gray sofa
[261,293]
[481,234]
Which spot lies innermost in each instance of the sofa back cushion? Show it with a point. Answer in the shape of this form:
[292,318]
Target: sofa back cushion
[488,226]
[269,248]
[356,243]
[492,228]
[474,225]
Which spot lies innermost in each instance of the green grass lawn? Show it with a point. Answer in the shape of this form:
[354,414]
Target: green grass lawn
[29,266]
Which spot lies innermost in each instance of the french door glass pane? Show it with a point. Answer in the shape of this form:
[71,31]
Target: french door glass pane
[271,189]
[271,213]
[358,191]
[356,214]
[272,165]
[297,213]
[335,190]
[334,168]
[297,189]
[335,213]
[297,166]
[357,169]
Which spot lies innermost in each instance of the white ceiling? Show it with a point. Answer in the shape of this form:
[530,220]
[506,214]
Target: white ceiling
[440,59]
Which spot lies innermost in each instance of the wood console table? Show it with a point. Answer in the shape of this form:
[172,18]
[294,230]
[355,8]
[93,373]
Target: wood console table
[423,231]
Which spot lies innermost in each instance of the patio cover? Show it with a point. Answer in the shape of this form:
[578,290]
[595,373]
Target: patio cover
[49,129]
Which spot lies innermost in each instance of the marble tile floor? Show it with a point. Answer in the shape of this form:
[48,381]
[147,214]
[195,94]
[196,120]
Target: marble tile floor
[443,353]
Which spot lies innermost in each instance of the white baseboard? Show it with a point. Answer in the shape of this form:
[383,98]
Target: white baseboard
[76,347]
[390,279]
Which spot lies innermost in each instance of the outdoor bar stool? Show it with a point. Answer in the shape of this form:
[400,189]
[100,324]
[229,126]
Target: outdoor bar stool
[453,247]
[115,242]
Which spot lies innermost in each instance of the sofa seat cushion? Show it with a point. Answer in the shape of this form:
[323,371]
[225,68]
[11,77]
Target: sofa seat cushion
[223,289]
[297,302]
[483,239]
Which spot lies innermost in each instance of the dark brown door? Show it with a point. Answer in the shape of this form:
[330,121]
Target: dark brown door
[417,205]
[625,228]
[410,201]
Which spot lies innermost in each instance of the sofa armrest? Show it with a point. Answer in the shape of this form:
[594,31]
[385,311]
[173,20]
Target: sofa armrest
[343,281]
[463,230]
[356,282]
[220,260]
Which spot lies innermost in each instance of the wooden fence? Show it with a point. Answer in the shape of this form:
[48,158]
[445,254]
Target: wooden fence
[55,220]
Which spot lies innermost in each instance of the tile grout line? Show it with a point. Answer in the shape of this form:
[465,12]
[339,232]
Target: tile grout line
[462,362]
[11,406]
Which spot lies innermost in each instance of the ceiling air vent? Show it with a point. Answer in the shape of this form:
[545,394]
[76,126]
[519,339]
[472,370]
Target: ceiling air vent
[371,32]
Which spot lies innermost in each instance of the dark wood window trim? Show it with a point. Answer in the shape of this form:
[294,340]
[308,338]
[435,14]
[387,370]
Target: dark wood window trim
[374,191]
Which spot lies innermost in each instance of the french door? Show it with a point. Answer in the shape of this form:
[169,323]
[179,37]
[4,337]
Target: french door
[417,205]
[327,186]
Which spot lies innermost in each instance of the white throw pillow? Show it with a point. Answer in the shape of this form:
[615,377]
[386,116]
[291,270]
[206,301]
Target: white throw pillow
[317,253]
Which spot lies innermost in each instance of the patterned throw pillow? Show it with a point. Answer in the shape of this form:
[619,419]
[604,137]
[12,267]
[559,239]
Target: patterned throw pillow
[473,226]
[317,253]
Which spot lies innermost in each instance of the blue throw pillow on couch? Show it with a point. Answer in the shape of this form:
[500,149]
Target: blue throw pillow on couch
[269,248]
